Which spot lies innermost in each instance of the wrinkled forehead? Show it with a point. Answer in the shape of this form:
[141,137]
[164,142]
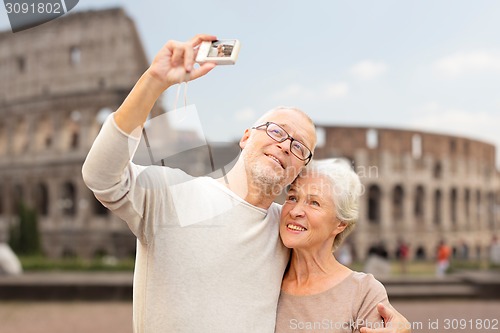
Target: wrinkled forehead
[297,124]
[308,184]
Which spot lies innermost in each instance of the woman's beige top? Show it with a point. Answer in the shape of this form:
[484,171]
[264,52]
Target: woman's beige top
[346,307]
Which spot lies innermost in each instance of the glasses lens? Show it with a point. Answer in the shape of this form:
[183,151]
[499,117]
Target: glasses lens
[300,150]
[280,135]
[276,132]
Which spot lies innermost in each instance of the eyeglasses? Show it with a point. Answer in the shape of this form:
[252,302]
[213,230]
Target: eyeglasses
[277,133]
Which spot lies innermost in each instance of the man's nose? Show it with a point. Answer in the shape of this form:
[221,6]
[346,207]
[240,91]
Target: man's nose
[285,146]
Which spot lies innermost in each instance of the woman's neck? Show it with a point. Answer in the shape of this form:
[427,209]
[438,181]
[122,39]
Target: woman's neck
[313,272]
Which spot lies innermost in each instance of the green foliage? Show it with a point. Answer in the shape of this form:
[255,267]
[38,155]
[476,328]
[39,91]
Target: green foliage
[458,265]
[25,237]
[41,263]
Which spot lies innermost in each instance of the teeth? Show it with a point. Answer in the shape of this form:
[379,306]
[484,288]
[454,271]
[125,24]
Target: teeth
[295,227]
[274,158]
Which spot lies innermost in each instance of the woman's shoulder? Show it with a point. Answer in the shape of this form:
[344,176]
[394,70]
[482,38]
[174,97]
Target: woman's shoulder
[366,281]
[362,277]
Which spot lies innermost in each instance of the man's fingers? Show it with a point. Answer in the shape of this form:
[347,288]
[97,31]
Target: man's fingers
[202,70]
[198,39]
[384,312]
[389,329]
[185,53]
[377,330]
[188,58]
[177,55]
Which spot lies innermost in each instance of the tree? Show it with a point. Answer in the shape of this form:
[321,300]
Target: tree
[25,237]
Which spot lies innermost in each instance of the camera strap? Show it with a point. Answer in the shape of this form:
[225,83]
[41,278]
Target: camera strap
[144,132]
[177,95]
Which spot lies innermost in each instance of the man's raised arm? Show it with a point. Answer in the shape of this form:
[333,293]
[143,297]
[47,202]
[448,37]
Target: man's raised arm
[173,64]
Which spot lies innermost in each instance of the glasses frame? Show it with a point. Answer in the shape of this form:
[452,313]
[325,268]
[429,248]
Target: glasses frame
[288,136]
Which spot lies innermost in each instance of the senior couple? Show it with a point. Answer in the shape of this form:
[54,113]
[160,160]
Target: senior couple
[213,255]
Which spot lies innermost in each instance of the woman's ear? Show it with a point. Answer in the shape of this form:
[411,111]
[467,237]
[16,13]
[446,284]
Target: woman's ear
[340,227]
[244,138]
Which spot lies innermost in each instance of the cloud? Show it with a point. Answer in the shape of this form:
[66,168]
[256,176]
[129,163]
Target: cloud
[479,125]
[336,90]
[464,63]
[294,90]
[323,92]
[368,69]
[245,115]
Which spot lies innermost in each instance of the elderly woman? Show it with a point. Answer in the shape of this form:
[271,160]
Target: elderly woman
[318,293]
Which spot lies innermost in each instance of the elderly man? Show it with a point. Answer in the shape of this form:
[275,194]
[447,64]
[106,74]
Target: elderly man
[209,257]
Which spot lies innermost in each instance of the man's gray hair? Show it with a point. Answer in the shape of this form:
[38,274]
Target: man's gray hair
[264,117]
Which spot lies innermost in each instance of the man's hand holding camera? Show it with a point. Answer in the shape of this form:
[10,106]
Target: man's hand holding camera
[174,63]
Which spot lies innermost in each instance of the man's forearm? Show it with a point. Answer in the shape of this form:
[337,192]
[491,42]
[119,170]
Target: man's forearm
[136,107]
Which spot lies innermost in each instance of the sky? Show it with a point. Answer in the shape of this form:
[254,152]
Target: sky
[427,65]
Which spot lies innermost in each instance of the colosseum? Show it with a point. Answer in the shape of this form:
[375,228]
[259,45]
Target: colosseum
[60,81]
[419,188]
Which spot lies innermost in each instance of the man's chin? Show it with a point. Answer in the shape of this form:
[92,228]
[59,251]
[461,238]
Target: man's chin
[269,177]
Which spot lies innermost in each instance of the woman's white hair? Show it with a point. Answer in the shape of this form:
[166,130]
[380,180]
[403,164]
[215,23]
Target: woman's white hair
[346,189]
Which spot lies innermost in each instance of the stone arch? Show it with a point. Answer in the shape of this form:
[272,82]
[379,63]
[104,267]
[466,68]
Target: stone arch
[420,253]
[72,130]
[17,198]
[453,206]
[3,138]
[491,210]
[478,205]
[2,196]
[397,203]
[419,208]
[437,207]
[68,252]
[68,199]
[467,203]
[44,133]
[100,253]
[374,204]
[21,136]
[437,170]
[42,199]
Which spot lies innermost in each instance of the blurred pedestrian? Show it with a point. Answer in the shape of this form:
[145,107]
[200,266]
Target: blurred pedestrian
[377,262]
[344,254]
[9,263]
[463,251]
[443,259]
[495,251]
[403,253]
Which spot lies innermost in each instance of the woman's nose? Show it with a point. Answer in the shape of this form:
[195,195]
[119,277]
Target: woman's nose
[297,211]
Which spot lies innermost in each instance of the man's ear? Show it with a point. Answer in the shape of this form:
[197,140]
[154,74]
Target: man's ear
[244,138]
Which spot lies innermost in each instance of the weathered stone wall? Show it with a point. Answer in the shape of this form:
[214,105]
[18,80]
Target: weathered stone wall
[57,84]
[420,188]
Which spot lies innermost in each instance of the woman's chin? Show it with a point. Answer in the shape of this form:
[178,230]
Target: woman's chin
[289,243]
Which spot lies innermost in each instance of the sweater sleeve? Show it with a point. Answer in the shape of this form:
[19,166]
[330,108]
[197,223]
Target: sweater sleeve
[372,292]
[115,180]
